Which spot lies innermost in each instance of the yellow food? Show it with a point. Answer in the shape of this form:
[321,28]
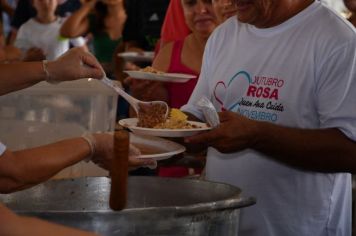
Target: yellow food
[177,120]
[177,115]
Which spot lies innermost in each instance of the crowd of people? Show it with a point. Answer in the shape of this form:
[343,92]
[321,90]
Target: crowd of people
[280,73]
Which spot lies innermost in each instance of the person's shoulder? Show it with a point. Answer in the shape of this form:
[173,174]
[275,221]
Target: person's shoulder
[166,50]
[224,31]
[29,24]
[163,57]
[226,27]
[331,22]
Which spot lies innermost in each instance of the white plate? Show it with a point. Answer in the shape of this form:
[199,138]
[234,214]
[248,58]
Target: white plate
[135,56]
[165,77]
[131,123]
[165,148]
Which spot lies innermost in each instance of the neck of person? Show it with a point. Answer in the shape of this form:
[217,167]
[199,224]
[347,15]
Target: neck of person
[199,41]
[286,10]
[352,18]
[46,18]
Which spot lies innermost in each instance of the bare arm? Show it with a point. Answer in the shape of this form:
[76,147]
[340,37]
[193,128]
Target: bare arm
[151,90]
[23,169]
[78,64]
[78,23]
[26,74]
[324,150]
[7,8]
[163,58]
[14,225]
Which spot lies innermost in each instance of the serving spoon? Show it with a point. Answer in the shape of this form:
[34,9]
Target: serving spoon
[135,103]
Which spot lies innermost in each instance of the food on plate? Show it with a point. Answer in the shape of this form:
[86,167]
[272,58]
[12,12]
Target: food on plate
[177,120]
[154,117]
[150,69]
[150,116]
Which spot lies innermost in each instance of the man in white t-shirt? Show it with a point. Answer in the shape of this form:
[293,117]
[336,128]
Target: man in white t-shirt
[285,81]
[40,36]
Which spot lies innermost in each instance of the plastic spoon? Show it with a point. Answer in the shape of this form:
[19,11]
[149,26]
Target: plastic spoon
[135,103]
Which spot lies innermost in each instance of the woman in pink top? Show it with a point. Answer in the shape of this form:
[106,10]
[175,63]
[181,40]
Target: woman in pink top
[185,56]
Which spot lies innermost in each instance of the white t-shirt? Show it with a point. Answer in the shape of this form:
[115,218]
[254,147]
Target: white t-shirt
[45,36]
[302,74]
[2,148]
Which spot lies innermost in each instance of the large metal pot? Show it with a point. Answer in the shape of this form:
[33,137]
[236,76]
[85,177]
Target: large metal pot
[156,206]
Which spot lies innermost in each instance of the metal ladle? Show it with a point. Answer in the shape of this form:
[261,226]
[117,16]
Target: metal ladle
[135,103]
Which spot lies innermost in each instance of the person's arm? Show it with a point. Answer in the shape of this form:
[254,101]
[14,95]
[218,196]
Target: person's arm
[14,225]
[148,90]
[7,8]
[163,58]
[324,150]
[23,169]
[26,168]
[78,23]
[79,42]
[77,63]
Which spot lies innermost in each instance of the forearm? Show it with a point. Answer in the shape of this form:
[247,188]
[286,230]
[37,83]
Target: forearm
[77,24]
[325,150]
[23,169]
[20,75]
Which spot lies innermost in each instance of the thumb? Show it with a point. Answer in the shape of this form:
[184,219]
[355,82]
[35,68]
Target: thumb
[224,116]
[91,67]
[204,137]
[134,151]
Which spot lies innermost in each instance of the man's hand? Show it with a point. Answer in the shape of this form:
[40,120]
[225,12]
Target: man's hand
[235,133]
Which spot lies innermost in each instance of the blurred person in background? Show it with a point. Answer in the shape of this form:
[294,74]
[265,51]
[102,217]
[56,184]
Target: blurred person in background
[351,6]
[26,168]
[24,11]
[8,53]
[39,38]
[105,21]
[5,10]
[224,9]
[284,83]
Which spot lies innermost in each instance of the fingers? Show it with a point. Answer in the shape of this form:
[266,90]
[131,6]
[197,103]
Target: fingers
[225,115]
[91,66]
[135,162]
[206,137]
[134,151]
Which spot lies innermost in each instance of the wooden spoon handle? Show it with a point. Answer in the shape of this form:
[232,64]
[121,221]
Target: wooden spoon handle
[119,170]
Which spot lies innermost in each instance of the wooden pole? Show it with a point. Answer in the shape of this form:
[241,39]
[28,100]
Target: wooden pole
[119,170]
